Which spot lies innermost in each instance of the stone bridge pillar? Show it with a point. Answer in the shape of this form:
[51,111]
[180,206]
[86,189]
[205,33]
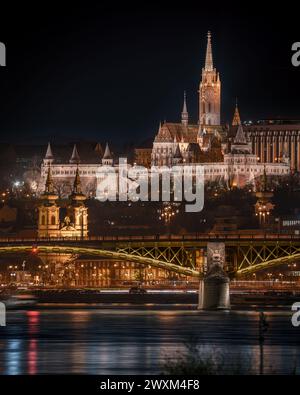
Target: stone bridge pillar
[214,287]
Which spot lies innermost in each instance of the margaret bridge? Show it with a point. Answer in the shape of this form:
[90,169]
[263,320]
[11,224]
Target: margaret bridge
[244,253]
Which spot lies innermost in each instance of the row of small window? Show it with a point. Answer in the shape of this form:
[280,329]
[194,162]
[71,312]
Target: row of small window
[225,170]
[67,172]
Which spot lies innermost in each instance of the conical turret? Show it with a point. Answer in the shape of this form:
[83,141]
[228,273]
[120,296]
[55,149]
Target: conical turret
[99,149]
[107,157]
[75,158]
[49,158]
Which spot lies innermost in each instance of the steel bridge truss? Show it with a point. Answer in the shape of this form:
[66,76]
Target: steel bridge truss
[253,258]
[181,256]
[148,259]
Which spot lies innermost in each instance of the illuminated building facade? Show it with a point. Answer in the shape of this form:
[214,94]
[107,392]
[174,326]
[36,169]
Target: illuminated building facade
[74,224]
[242,150]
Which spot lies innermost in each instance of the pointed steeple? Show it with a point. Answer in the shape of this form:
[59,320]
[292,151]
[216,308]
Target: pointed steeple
[184,114]
[75,158]
[77,195]
[107,159]
[49,186]
[107,153]
[77,183]
[236,118]
[99,149]
[209,59]
[49,182]
[49,158]
[49,154]
[240,137]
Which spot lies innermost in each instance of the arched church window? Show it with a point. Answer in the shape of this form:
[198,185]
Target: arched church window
[53,220]
[43,220]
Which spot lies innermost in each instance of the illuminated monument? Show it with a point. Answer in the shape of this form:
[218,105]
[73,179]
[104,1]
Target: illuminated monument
[234,155]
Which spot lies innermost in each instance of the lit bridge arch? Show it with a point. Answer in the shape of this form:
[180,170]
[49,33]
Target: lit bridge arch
[121,255]
[245,254]
[264,256]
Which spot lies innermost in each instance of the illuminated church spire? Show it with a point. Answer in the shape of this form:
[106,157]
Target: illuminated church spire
[77,184]
[184,114]
[209,66]
[49,187]
[209,91]
[236,118]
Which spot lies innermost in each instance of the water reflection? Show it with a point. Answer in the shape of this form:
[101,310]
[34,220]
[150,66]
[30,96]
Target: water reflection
[96,341]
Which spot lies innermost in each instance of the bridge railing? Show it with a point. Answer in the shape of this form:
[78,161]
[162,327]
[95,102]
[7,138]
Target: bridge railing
[186,237]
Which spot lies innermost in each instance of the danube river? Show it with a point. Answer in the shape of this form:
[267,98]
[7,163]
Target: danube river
[87,340]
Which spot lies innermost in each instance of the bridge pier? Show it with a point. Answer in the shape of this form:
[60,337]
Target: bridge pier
[214,293]
[214,287]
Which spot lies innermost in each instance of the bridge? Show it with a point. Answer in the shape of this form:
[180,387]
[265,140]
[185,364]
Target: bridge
[245,253]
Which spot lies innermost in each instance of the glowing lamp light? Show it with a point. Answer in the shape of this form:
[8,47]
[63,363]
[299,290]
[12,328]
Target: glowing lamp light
[34,250]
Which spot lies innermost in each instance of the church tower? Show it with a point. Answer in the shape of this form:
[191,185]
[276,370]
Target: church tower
[78,211]
[209,91]
[49,224]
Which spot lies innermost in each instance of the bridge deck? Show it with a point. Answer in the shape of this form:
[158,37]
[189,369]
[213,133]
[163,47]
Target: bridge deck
[189,240]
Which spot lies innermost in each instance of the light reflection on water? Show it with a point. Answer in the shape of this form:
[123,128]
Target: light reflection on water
[95,341]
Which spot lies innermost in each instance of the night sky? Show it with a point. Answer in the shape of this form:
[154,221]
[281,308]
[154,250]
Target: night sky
[112,73]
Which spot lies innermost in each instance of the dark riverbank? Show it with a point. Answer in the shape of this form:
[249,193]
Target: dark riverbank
[147,300]
[163,298]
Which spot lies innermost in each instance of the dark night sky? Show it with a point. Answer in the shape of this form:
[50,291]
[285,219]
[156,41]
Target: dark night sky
[112,73]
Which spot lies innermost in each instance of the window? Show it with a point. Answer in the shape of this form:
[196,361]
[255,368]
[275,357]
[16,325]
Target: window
[43,220]
[53,220]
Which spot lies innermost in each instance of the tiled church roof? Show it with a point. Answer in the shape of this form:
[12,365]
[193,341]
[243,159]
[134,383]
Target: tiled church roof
[177,131]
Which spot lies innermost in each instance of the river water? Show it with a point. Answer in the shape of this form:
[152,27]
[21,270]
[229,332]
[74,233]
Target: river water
[139,341]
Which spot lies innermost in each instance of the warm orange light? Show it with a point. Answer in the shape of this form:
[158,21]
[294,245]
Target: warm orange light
[34,250]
